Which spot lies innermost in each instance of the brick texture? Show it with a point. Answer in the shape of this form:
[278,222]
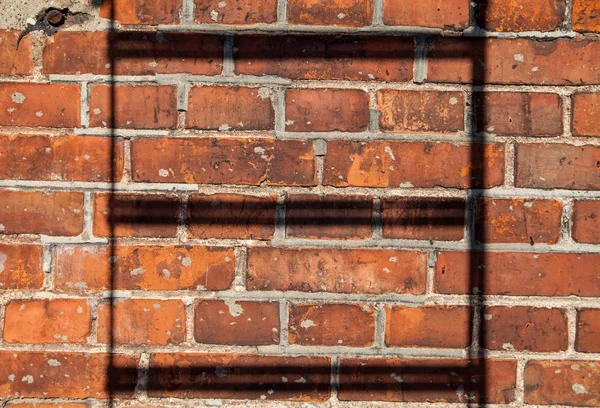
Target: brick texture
[16,62]
[452,15]
[586,221]
[528,15]
[585,16]
[352,13]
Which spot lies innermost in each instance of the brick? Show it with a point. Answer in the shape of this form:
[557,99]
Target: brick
[21,266]
[350,13]
[150,12]
[37,405]
[586,108]
[165,267]
[242,323]
[326,110]
[521,15]
[428,326]
[518,220]
[15,62]
[586,221]
[135,215]
[353,58]
[225,108]
[64,158]
[133,53]
[427,380]
[45,105]
[135,106]
[515,61]
[524,329]
[235,11]
[449,15]
[329,216]
[518,273]
[587,339]
[332,325]
[232,216]
[239,376]
[557,166]
[519,113]
[413,164]
[340,271]
[586,16]
[38,212]
[562,382]
[430,218]
[142,321]
[67,375]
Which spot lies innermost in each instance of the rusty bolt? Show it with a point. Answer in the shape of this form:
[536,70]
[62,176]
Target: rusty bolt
[55,18]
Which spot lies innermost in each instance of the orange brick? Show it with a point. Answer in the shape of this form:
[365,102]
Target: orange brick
[586,221]
[586,108]
[235,11]
[42,405]
[152,12]
[352,13]
[588,331]
[521,15]
[449,14]
[15,62]
[21,266]
[586,16]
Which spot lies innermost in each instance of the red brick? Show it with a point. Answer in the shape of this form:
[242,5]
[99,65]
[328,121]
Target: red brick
[67,375]
[518,220]
[332,270]
[232,216]
[15,62]
[420,112]
[135,215]
[521,15]
[518,273]
[586,108]
[42,405]
[329,216]
[65,158]
[427,380]
[225,108]
[562,382]
[524,329]
[351,13]
[242,323]
[557,166]
[142,321]
[21,266]
[235,11]
[135,106]
[239,376]
[515,61]
[81,268]
[223,161]
[588,331]
[519,114]
[134,53]
[430,218]
[586,221]
[586,15]
[449,14]
[352,58]
[413,164]
[326,110]
[47,105]
[152,12]
[428,326]
[38,212]
[332,325]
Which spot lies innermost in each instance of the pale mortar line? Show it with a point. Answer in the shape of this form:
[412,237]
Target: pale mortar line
[520,382]
[373,113]
[141,387]
[183,91]
[567,24]
[85,105]
[567,110]
[571,328]
[566,222]
[378,13]
[282,9]
[190,313]
[334,380]
[279,105]
[380,320]
[420,60]
[509,165]
[187,12]
[284,322]
[47,259]
[377,219]
[241,261]
[126,179]
[120,132]
[88,216]
[280,224]
[182,219]
[431,262]
[228,59]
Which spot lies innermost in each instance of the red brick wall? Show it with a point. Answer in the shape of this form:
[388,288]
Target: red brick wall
[224,201]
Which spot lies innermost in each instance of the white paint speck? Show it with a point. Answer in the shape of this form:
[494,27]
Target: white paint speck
[137,271]
[306,324]
[18,97]
[97,111]
[79,309]
[28,379]
[39,114]
[153,64]
[508,347]
[54,363]
[453,101]
[214,16]
[341,16]
[186,261]
[519,57]
[11,377]
[388,150]
[222,4]
[579,389]
[224,127]
[234,309]
[163,173]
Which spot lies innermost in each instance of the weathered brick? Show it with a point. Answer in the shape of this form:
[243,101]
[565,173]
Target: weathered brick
[428,326]
[518,220]
[586,108]
[225,108]
[326,110]
[15,62]
[519,113]
[150,12]
[420,112]
[521,15]
[46,105]
[450,14]
[413,164]
[232,216]
[142,321]
[243,323]
[586,15]
[518,273]
[586,221]
[47,321]
[332,325]
[81,268]
[223,161]
[329,216]
[557,166]
[38,212]
[42,405]
[588,331]
[341,271]
[235,11]
[430,218]
[352,58]
[352,13]
[21,266]
[65,158]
